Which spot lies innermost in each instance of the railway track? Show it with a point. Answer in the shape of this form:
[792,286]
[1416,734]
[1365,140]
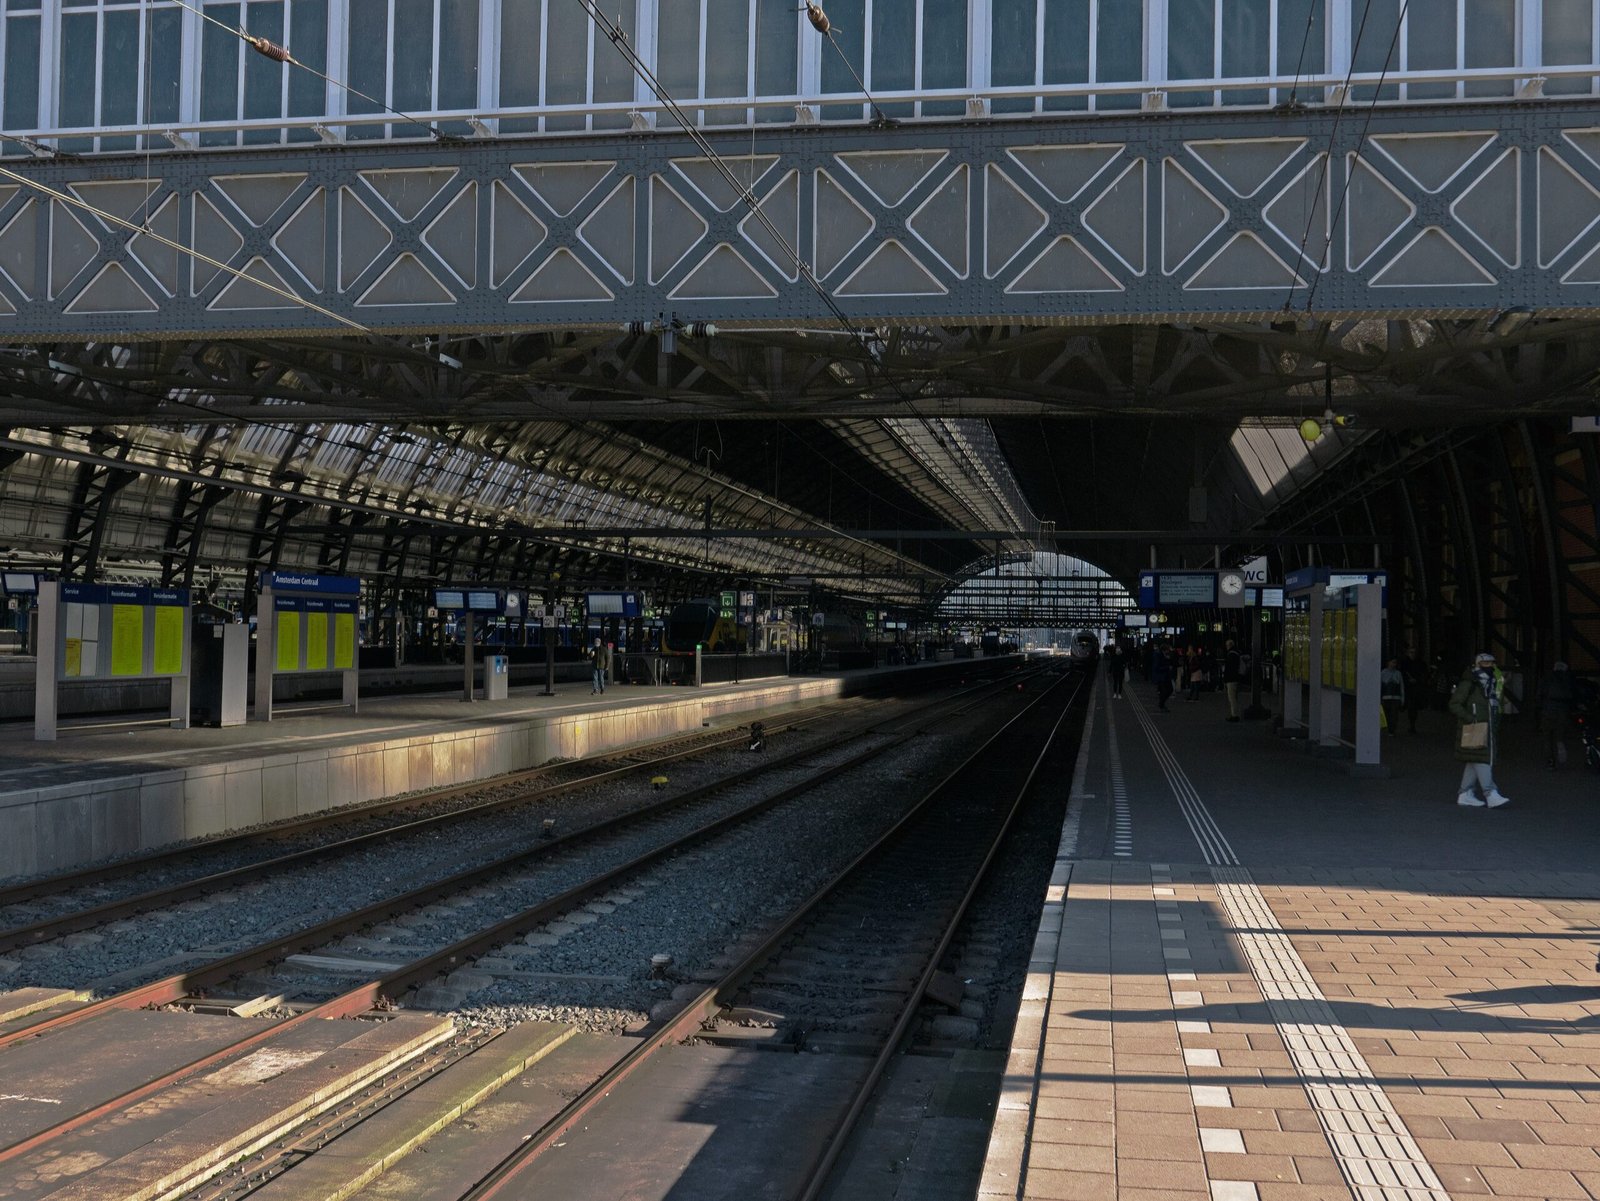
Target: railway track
[379,994]
[859,958]
[146,882]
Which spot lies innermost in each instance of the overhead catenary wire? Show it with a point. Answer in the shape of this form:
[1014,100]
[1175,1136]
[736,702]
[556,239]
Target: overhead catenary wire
[1361,139]
[619,38]
[1327,165]
[281,54]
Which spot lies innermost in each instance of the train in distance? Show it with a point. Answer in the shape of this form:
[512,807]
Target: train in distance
[700,623]
[1085,646]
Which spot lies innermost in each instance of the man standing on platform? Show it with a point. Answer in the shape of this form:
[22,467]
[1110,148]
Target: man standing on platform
[1161,675]
[1557,695]
[1232,673]
[598,656]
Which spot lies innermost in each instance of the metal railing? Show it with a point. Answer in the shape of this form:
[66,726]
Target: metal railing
[1315,91]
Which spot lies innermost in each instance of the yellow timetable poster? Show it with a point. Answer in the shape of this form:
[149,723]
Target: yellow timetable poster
[1348,678]
[169,640]
[316,641]
[74,657]
[127,640]
[344,641]
[288,640]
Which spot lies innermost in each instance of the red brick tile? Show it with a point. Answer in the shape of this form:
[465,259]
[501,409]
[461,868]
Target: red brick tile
[1568,1158]
[1540,1183]
[1048,1185]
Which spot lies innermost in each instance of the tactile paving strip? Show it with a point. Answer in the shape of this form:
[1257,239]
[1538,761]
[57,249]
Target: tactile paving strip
[1377,1154]
[1380,1159]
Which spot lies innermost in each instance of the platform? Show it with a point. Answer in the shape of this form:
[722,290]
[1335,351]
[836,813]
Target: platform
[108,787]
[1256,979]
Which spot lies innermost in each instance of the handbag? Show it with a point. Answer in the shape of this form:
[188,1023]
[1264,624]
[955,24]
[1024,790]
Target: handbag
[1474,735]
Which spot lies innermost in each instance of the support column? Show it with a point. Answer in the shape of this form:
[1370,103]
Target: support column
[46,618]
[265,637]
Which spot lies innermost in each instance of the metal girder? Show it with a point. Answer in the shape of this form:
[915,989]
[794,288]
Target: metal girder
[1504,538]
[93,495]
[1536,452]
[1069,220]
[1462,578]
[1419,371]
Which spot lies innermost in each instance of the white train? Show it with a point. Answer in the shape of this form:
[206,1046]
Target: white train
[1085,647]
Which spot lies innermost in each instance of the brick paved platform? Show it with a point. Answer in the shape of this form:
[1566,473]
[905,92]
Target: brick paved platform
[1260,980]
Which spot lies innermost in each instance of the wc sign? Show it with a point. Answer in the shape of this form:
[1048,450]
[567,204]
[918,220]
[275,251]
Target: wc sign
[1255,572]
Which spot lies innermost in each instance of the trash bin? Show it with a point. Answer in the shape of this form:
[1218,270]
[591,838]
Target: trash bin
[496,677]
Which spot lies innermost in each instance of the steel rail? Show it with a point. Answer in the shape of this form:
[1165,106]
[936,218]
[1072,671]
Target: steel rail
[83,919]
[839,1137]
[376,993]
[692,1017]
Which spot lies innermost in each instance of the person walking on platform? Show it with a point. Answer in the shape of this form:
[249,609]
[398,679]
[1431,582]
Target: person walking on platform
[600,658]
[1558,693]
[1476,704]
[1392,695]
[1161,676]
[1415,687]
[1117,665]
[1195,672]
[1232,674]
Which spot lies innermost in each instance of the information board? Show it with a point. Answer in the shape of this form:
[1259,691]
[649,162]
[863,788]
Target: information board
[288,642]
[306,623]
[449,598]
[316,636]
[127,640]
[169,637]
[615,604]
[344,636]
[121,631]
[1187,588]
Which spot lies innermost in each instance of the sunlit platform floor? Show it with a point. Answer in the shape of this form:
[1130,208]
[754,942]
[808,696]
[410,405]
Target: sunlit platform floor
[1257,977]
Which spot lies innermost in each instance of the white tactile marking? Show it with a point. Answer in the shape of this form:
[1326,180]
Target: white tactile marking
[1188,998]
[1201,1057]
[1194,1027]
[1212,1096]
[1121,814]
[1234,1190]
[1222,1141]
[1180,975]
[1376,1152]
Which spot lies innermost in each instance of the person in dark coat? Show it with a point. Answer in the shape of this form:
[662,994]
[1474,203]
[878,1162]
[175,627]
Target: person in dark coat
[1161,676]
[1415,687]
[1232,677]
[1558,693]
[1117,665]
[1477,701]
[1392,695]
